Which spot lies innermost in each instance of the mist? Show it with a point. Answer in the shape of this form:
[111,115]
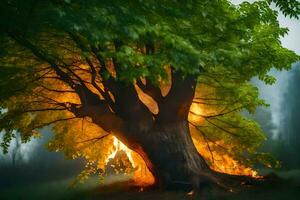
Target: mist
[34,163]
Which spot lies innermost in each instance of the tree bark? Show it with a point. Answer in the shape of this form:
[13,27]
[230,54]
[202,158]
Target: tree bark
[173,156]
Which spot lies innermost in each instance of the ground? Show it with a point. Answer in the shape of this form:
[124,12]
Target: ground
[288,189]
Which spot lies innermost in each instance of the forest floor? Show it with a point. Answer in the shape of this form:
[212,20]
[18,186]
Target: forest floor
[119,188]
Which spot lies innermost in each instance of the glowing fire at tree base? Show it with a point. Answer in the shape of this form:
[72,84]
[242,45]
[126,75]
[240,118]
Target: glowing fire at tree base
[143,177]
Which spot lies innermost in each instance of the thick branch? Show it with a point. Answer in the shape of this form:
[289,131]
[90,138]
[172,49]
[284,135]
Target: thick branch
[84,48]
[150,90]
[95,138]
[176,105]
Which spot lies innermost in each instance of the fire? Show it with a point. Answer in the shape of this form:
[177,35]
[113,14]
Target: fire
[141,175]
[195,115]
[119,146]
[222,162]
[219,162]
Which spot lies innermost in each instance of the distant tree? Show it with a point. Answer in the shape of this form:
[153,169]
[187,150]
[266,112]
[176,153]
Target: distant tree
[290,127]
[16,149]
[264,117]
[140,70]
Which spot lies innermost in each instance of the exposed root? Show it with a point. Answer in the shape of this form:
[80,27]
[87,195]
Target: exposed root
[228,182]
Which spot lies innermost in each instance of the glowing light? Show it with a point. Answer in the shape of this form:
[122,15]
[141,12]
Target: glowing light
[119,146]
[196,109]
[219,162]
[195,114]
[141,175]
[222,162]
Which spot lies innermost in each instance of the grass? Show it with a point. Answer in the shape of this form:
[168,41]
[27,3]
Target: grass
[119,188]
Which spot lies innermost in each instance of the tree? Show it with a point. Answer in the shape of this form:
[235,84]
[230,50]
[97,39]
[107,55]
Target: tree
[134,70]
[15,153]
[289,129]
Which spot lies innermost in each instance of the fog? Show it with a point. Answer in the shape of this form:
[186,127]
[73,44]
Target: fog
[34,163]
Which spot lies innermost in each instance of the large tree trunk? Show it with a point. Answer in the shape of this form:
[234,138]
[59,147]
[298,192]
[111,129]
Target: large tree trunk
[173,156]
[174,161]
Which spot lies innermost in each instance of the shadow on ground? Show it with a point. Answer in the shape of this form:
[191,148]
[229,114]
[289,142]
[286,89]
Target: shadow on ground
[119,188]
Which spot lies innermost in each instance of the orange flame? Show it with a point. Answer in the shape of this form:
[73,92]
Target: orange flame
[141,175]
[119,146]
[223,163]
[219,162]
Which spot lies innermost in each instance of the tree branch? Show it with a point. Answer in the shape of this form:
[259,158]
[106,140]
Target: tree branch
[83,48]
[150,90]
[91,106]
[222,129]
[54,121]
[96,138]
[44,109]
[176,104]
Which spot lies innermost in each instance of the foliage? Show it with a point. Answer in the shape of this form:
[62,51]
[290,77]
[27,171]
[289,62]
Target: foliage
[289,8]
